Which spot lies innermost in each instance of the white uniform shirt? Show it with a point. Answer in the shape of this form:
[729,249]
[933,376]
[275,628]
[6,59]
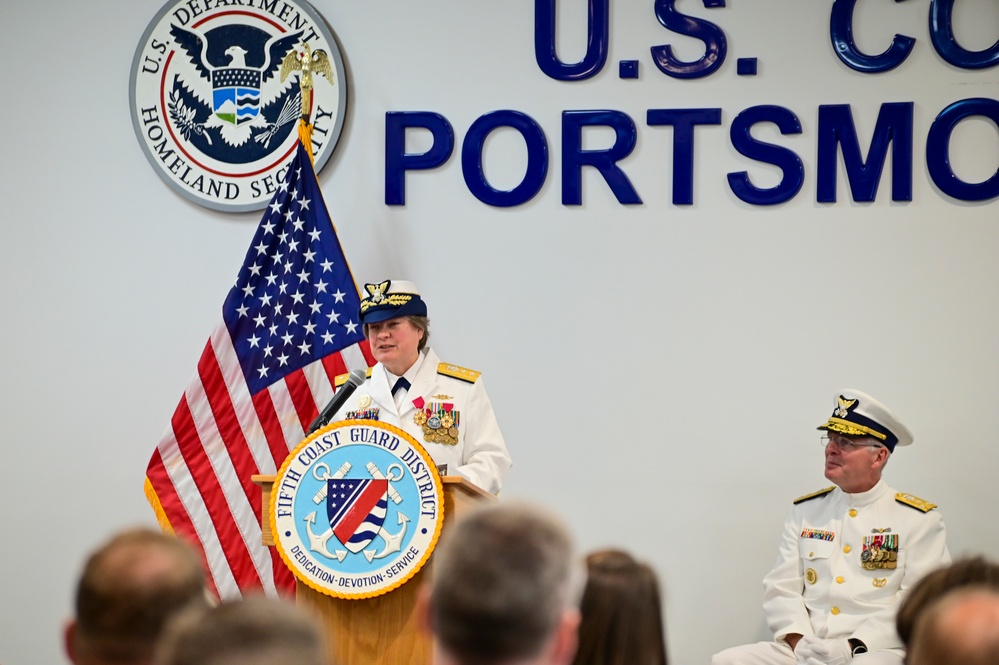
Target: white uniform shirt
[819,585]
[480,455]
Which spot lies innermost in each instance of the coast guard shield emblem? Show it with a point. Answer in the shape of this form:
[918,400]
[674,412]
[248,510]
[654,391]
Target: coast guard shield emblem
[356,509]
[209,107]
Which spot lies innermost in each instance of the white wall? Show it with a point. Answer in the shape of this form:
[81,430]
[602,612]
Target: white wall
[658,370]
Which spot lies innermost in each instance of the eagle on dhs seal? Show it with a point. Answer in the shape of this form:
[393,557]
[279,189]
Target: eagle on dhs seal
[228,96]
[215,105]
[356,509]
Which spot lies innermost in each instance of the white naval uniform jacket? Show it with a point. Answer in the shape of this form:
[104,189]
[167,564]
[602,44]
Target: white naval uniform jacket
[480,456]
[840,599]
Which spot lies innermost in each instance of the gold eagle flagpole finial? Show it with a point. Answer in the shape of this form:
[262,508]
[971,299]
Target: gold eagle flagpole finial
[305,60]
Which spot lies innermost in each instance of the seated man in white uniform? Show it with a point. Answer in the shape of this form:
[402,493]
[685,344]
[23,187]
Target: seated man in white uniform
[848,552]
[443,406]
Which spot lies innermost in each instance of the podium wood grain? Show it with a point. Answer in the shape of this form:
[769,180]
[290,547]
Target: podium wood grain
[383,630]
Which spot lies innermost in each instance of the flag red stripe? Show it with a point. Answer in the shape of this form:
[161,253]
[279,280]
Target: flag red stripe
[177,517]
[271,426]
[366,350]
[228,426]
[173,508]
[301,398]
[284,579]
[200,468]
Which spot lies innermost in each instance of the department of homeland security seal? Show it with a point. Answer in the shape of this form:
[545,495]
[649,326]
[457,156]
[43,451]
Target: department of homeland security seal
[357,509]
[208,104]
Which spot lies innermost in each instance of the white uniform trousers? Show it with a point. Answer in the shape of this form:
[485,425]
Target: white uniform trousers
[772,653]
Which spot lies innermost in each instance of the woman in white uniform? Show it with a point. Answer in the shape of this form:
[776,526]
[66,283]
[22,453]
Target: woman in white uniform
[443,406]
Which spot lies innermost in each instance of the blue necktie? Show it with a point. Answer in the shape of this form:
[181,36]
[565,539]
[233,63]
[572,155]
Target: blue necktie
[400,384]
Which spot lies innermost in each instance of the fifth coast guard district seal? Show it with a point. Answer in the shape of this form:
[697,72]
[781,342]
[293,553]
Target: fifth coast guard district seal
[212,107]
[356,509]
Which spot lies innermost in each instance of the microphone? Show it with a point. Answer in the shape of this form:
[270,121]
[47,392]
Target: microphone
[356,378]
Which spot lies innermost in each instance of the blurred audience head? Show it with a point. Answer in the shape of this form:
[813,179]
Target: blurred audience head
[128,589]
[254,631]
[962,626]
[621,613]
[505,589]
[961,573]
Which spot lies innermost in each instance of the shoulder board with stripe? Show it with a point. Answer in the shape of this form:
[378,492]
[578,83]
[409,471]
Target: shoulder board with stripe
[814,495]
[456,372]
[915,502]
[342,378]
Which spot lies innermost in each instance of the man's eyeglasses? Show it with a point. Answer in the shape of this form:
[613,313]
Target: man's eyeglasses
[845,444]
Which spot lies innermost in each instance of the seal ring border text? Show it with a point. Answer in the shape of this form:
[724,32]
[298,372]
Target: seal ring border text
[439,493]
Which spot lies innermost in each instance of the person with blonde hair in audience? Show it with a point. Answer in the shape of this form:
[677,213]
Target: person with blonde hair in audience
[253,631]
[505,590]
[959,628]
[965,572]
[128,590]
[621,613]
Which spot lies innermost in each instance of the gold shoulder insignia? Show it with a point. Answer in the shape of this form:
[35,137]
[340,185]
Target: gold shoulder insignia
[456,372]
[915,502]
[814,495]
[342,378]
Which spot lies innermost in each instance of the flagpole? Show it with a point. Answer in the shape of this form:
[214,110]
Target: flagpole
[305,137]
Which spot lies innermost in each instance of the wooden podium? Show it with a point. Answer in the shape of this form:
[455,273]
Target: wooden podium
[382,630]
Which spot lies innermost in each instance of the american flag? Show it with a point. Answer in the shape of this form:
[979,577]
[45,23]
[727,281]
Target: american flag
[289,326]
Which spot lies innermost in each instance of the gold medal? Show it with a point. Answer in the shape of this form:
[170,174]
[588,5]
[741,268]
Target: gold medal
[447,421]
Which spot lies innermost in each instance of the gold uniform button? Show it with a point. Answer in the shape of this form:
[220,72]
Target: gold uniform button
[835,610]
[846,549]
[840,580]
[853,512]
